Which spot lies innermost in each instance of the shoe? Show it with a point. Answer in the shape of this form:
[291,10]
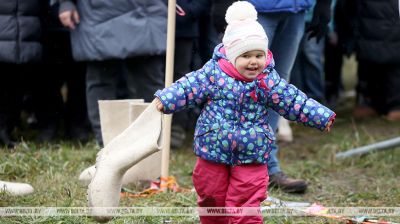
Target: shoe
[287,184]
[178,136]
[362,112]
[285,133]
[5,139]
[16,189]
[393,115]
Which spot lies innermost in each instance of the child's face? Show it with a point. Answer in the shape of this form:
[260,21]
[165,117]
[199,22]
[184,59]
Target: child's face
[251,63]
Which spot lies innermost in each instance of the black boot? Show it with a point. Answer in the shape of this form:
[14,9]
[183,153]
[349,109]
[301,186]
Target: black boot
[5,139]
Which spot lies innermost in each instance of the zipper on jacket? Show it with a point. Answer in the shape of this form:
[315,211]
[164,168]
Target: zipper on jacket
[236,129]
[237,122]
[17,44]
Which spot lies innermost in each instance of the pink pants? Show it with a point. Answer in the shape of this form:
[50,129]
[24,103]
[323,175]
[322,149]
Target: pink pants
[219,185]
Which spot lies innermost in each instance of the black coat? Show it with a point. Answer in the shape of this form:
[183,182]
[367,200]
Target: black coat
[378,37]
[187,25]
[21,30]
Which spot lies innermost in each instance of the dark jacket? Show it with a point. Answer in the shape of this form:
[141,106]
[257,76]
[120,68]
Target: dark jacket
[378,36]
[187,26]
[21,30]
[119,29]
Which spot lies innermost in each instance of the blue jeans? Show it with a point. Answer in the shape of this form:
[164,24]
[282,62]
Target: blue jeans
[284,31]
[308,70]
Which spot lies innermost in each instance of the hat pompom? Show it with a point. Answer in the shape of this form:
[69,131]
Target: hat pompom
[240,10]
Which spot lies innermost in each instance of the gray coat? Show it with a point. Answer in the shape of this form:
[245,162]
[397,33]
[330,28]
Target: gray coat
[119,29]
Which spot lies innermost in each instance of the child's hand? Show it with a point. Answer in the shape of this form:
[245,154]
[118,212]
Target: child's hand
[159,104]
[328,126]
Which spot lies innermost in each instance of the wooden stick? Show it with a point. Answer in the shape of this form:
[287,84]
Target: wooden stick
[169,73]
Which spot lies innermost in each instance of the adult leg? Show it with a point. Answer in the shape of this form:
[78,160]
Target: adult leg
[211,195]
[48,102]
[76,118]
[333,72]
[101,84]
[392,104]
[297,73]
[313,69]
[145,75]
[376,88]
[247,187]
[183,51]
[8,99]
[284,31]
[366,89]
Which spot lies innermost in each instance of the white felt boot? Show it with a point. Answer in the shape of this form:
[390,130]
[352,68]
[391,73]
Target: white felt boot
[87,175]
[147,169]
[285,133]
[115,117]
[16,189]
[141,139]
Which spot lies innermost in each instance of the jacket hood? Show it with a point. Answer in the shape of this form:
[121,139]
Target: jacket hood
[217,54]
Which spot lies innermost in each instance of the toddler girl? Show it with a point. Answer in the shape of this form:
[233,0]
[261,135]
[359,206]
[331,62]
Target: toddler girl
[232,137]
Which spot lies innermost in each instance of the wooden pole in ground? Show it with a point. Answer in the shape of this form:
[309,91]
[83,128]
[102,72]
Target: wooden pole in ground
[169,71]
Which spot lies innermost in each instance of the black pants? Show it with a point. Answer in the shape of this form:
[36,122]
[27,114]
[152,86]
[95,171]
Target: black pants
[48,101]
[12,89]
[143,75]
[56,69]
[182,65]
[378,86]
[333,70]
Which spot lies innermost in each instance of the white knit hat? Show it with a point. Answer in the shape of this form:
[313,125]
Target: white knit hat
[243,32]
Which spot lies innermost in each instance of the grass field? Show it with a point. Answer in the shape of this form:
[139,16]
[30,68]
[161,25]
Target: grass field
[372,180]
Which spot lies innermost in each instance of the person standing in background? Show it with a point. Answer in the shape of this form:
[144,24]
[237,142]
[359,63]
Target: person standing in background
[56,69]
[110,35]
[377,50]
[20,51]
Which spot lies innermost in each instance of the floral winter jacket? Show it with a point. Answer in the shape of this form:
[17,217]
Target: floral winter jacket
[233,125]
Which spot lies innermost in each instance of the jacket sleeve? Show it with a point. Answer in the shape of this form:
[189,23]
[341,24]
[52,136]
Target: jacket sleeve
[66,5]
[294,105]
[188,91]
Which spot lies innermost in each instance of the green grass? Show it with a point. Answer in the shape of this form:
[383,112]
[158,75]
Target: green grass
[362,181]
